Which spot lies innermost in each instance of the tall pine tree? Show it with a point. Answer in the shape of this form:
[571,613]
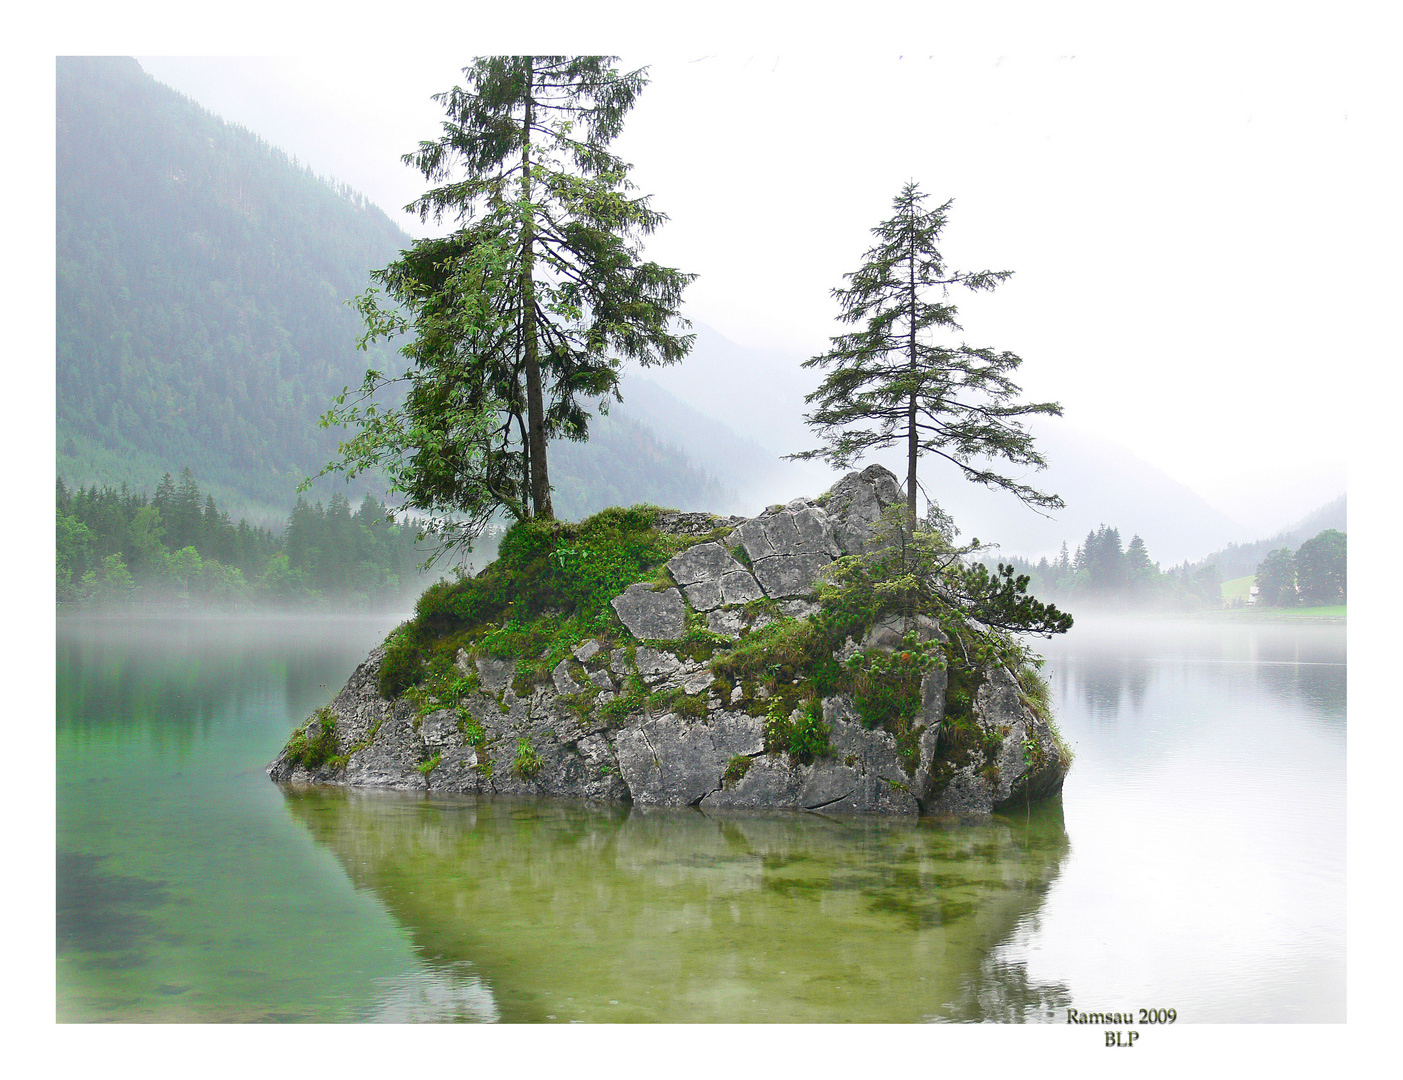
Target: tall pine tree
[524,314]
[896,380]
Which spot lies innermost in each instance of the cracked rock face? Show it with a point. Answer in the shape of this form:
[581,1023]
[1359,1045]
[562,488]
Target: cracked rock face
[649,615]
[708,754]
[857,502]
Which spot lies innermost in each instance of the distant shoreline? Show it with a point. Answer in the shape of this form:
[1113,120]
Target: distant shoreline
[1337,613]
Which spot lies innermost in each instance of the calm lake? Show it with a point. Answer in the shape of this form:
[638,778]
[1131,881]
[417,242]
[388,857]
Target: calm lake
[1196,860]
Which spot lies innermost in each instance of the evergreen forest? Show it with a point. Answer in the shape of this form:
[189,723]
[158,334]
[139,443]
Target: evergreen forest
[115,546]
[1105,571]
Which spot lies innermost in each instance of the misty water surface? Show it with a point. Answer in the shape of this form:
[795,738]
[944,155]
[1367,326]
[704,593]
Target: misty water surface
[1196,860]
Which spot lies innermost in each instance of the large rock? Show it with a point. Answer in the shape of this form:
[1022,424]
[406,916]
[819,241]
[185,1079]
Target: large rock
[735,587]
[797,529]
[649,615]
[705,562]
[855,503]
[790,575]
[1026,764]
[688,742]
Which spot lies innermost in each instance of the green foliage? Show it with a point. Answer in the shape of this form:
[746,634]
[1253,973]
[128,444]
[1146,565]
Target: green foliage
[528,763]
[632,699]
[314,748]
[1321,568]
[547,591]
[778,727]
[473,733]
[892,382]
[886,688]
[736,769]
[677,701]
[1276,579]
[429,766]
[808,735]
[1034,691]
[525,311]
[910,572]
[401,665]
[800,732]
[772,654]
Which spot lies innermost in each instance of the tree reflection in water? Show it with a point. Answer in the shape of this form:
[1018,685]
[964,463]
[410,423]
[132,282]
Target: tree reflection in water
[534,911]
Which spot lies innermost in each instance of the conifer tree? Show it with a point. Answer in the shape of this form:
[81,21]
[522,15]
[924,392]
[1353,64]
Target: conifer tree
[527,310]
[896,381]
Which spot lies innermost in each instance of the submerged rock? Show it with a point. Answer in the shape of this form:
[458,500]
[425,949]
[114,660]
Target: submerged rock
[651,724]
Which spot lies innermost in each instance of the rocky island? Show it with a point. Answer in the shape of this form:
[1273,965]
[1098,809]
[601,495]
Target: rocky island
[684,659]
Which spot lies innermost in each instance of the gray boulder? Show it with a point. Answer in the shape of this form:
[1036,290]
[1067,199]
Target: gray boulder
[692,739]
[669,762]
[649,615]
[739,587]
[704,595]
[855,503]
[705,562]
[790,575]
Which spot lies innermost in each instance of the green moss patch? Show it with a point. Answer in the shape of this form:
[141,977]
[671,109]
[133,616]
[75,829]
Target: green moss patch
[547,591]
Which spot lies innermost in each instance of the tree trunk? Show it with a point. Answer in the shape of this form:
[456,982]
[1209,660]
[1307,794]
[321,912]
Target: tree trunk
[911,441]
[535,399]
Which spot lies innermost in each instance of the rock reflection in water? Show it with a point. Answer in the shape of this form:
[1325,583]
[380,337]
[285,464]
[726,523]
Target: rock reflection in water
[533,911]
[437,994]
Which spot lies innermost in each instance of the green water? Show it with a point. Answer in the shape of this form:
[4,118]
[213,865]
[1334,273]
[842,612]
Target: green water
[192,889]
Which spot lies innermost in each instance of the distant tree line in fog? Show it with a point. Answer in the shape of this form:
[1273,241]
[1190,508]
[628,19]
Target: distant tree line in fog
[1104,569]
[116,546]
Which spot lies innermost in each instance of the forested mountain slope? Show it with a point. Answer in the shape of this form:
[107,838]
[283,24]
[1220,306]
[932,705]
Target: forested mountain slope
[202,277]
[200,295]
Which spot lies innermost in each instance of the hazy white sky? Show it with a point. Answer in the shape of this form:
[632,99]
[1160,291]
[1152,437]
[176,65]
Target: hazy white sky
[1184,212]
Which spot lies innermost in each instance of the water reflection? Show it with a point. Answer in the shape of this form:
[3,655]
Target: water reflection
[1106,668]
[1206,807]
[182,893]
[606,914]
[452,993]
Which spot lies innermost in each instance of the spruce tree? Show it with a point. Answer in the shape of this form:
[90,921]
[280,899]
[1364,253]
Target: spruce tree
[525,312]
[897,380]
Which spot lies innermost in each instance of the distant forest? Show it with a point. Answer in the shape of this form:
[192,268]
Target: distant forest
[119,547]
[202,280]
[1104,572]
[1107,572]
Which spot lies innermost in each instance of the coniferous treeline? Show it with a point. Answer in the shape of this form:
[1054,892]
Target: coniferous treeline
[1105,570]
[1101,570]
[117,546]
